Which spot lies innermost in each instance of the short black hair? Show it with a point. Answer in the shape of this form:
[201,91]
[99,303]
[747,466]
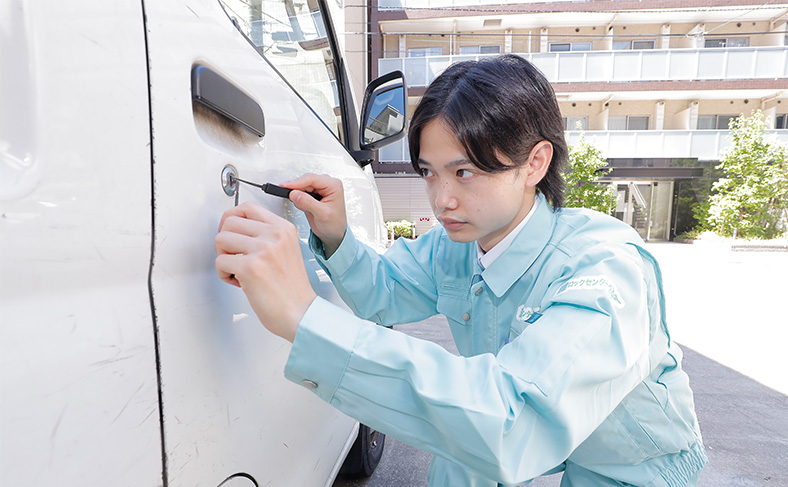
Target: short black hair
[497,105]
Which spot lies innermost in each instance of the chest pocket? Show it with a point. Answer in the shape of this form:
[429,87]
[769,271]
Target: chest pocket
[455,305]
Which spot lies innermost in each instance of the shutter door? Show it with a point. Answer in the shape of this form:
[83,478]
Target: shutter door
[405,198]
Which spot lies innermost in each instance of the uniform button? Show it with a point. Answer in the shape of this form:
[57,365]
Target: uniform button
[309,384]
[466,317]
[478,290]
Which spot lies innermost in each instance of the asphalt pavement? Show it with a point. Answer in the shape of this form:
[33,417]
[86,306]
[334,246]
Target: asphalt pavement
[728,310]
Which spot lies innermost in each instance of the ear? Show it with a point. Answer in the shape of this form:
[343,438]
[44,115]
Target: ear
[538,162]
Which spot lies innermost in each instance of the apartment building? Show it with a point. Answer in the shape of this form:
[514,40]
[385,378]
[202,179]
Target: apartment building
[653,84]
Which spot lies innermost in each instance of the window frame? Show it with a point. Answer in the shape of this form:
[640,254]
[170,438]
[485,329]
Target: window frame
[717,117]
[725,41]
[423,51]
[348,133]
[478,49]
[573,46]
[583,120]
[627,120]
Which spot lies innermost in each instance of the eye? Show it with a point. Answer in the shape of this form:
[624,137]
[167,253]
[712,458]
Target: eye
[464,174]
[425,172]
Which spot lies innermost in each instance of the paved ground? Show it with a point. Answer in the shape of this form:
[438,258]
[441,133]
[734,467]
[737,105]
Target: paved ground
[729,312]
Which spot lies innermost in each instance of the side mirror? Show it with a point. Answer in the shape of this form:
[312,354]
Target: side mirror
[385,111]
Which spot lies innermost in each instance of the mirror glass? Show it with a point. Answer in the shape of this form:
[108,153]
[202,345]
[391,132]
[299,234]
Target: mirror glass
[385,114]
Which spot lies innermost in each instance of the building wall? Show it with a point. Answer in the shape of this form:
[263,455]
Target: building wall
[405,198]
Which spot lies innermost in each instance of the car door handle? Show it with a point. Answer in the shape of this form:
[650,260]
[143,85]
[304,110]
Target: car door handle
[212,90]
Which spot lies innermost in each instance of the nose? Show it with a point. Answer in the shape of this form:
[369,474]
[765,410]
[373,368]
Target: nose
[445,198]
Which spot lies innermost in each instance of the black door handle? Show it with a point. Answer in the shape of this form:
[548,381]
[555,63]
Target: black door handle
[220,95]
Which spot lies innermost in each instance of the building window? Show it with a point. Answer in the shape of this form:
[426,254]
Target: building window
[425,51]
[571,123]
[569,46]
[631,122]
[728,42]
[480,49]
[781,122]
[714,122]
[633,45]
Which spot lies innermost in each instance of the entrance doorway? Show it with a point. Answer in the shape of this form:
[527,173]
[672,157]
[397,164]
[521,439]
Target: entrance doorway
[647,206]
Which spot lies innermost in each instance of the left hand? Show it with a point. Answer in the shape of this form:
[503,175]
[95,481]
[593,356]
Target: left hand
[260,252]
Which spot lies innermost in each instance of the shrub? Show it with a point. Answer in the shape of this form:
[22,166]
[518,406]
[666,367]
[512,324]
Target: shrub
[401,228]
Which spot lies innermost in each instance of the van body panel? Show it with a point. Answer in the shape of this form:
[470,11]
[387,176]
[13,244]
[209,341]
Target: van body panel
[226,405]
[110,304]
[79,395]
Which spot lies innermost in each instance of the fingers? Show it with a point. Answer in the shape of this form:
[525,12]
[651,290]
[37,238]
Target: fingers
[248,211]
[327,187]
[247,230]
[226,266]
[319,183]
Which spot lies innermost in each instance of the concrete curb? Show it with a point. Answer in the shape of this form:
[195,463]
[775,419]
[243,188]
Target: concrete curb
[744,246]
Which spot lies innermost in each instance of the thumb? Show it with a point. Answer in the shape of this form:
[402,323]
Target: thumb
[305,202]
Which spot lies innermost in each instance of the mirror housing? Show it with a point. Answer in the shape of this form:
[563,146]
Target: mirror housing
[384,113]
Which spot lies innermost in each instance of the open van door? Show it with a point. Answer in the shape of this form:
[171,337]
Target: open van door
[250,89]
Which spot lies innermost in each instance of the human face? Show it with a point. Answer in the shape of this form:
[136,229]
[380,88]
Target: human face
[472,205]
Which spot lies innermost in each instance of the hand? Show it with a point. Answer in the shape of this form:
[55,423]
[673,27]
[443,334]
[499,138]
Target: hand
[327,217]
[260,253]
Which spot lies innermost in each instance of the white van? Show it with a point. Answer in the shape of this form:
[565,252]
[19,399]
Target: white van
[124,126]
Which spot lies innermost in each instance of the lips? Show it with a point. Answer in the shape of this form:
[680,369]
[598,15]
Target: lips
[451,224]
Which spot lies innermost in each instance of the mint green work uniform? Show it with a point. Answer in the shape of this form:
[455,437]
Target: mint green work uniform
[566,361]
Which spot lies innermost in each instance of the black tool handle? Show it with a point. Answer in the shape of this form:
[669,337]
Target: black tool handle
[275,190]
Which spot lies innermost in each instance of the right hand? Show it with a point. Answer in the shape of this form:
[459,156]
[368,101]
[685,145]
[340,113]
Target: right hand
[327,217]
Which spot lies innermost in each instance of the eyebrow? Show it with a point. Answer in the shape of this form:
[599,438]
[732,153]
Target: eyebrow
[455,163]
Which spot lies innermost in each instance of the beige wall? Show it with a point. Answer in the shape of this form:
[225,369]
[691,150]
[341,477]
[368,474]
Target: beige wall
[356,50]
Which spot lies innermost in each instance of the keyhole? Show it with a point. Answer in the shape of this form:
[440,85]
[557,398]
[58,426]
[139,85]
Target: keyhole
[230,180]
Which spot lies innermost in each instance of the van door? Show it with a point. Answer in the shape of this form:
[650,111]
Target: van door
[227,410]
[79,399]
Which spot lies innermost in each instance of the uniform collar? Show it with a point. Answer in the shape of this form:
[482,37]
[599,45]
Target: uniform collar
[523,250]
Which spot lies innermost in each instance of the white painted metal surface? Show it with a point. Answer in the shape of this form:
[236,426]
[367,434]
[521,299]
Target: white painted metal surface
[92,187]
[78,389]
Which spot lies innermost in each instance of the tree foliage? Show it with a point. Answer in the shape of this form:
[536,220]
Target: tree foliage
[751,198]
[582,174]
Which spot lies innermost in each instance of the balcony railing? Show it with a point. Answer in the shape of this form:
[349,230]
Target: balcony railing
[403,4]
[700,144]
[643,65]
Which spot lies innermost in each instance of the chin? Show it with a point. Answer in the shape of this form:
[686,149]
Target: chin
[459,237]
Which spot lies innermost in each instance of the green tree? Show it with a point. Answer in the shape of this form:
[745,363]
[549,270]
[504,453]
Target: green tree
[586,166]
[751,198]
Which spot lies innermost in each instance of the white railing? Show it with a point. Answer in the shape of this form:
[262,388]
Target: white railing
[700,144]
[417,4]
[643,65]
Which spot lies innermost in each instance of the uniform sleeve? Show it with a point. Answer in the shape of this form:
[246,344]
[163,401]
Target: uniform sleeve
[398,287]
[510,417]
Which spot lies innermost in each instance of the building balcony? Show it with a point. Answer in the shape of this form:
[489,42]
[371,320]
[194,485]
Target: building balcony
[704,145]
[741,63]
[421,4]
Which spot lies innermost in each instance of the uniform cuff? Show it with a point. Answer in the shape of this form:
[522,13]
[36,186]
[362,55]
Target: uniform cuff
[321,348]
[341,260]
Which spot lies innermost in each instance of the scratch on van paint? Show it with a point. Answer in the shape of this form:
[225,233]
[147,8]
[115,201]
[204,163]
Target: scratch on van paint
[57,423]
[127,403]
[145,419]
[192,11]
